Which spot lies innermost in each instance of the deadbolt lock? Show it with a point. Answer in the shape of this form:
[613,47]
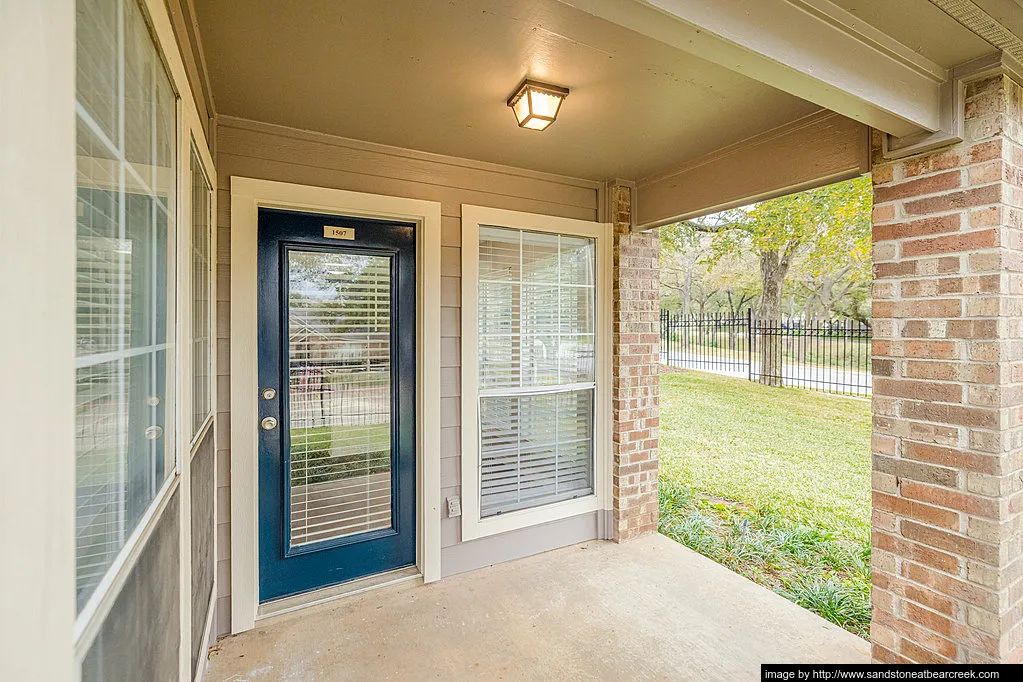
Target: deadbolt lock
[268,423]
[269,393]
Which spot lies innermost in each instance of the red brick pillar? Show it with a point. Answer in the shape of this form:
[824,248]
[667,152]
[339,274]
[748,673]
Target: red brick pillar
[948,397]
[636,335]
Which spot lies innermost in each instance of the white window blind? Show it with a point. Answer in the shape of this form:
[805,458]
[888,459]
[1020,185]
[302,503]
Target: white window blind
[536,368]
[125,408]
[202,238]
[339,386]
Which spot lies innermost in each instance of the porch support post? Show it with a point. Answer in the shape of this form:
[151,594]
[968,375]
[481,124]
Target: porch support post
[37,346]
[636,385]
[948,392]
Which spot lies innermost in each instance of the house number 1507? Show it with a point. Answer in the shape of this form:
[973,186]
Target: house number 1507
[331,232]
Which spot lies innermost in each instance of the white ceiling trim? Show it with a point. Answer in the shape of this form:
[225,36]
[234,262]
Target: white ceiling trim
[809,48]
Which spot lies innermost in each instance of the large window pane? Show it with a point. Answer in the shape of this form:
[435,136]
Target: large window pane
[139,95]
[536,368]
[536,309]
[125,283]
[535,449]
[97,64]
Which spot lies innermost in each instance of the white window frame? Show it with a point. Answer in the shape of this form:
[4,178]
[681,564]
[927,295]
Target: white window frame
[196,437]
[473,526]
[188,127]
[192,138]
[93,614]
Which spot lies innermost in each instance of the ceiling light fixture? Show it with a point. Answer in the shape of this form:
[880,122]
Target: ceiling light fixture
[536,104]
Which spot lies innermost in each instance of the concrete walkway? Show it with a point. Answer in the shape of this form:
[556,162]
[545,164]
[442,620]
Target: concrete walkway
[650,609]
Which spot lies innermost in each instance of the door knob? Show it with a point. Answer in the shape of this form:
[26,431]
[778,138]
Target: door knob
[268,423]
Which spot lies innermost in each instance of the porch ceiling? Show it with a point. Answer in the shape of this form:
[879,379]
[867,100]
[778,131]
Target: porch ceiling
[647,609]
[434,77]
[921,26]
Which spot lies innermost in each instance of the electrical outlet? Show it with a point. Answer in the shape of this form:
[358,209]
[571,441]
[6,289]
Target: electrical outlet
[454,506]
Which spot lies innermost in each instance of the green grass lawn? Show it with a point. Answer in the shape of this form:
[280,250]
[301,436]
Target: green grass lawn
[775,484]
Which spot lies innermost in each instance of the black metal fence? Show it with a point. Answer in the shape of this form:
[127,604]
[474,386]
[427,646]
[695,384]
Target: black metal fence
[823,355]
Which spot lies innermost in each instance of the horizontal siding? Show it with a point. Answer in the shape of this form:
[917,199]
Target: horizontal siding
[494,549]
[379,165]
[268,152]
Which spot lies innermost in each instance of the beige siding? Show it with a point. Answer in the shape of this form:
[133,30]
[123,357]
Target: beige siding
[257,150]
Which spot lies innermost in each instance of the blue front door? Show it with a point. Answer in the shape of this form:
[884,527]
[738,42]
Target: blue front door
[337,382]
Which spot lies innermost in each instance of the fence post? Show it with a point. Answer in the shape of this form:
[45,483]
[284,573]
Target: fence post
[749,343]
[665,345]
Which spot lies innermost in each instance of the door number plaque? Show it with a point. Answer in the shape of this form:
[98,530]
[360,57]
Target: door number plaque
[332,232]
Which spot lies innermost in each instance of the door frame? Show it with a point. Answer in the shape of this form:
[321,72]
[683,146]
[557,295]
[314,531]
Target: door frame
[248,195]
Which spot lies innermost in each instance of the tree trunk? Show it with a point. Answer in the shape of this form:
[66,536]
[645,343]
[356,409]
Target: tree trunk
[687,290]
[773,268]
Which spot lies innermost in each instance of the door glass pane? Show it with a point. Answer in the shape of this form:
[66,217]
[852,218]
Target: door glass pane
[339,375]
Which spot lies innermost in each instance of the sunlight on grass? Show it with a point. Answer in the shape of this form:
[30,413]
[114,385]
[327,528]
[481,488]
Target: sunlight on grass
[774,484]
[806,454]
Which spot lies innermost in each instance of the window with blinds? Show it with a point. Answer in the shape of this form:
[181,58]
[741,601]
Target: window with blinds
[536,368]
[202,238]
[126,150]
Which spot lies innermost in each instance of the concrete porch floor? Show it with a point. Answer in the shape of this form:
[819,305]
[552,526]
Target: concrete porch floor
[647,609]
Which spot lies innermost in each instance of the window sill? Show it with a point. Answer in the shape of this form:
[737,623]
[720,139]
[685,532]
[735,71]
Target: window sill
[473,528]
[200,436]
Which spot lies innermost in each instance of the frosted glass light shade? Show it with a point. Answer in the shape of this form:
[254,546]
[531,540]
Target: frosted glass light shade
[536,105]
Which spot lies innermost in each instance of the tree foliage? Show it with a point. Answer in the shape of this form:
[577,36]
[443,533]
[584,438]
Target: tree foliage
[814,245]
[828,226]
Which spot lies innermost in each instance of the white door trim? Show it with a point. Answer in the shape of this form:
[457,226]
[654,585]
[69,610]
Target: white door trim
[247,196]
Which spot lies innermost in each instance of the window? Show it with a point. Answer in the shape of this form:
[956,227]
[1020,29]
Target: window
[534,306]
[536,374]
[202,361]
[125,355]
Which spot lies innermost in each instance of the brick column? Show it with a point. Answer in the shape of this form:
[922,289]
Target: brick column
[636,385]
[948,397]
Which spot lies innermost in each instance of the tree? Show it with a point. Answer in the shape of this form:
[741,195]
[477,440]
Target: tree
[825,226]
[734,278]
[831,294]
[681,252]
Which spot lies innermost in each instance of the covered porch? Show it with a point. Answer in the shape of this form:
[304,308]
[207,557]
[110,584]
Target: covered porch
[568,614]
[355,116]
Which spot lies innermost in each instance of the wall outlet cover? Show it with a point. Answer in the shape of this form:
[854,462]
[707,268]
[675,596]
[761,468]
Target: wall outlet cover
[454,506]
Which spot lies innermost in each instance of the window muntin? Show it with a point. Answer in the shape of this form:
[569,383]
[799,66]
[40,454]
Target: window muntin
[125,269]
[536,312]
[202,334]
